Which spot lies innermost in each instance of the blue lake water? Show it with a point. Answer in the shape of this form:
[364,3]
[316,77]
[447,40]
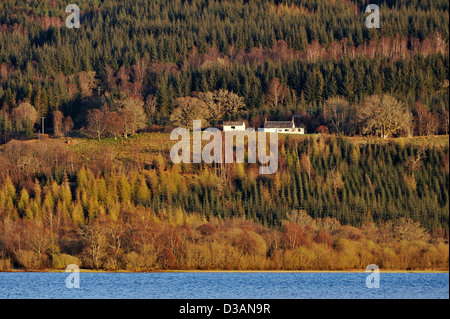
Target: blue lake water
[223,285]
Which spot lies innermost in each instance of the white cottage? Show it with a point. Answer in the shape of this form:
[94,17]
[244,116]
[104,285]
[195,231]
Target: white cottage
[234,126]
[286,127]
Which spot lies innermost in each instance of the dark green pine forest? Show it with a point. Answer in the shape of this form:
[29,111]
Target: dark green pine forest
[314,50]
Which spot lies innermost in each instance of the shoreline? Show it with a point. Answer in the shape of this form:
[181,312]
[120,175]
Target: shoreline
[221,271]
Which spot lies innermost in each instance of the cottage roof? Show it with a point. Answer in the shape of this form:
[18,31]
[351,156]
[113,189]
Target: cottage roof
[278,124]
[233,123]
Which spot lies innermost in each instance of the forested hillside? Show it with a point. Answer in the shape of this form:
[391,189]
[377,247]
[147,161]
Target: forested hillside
[334,203]
[281,58]
[367,184]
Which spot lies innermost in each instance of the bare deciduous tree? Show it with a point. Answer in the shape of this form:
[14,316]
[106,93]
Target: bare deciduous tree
[58,123]
[426,122]
[67,125]
[61,125]
[135,107]
[384,116]
[24,116]
[413,162]
[151,103]
[109,79]
[86,83]
[334,179]
[96,250]
[339,111]
[445,121]
[187,110]
[114,124]
[96,122]
[293,235]
[276,94]
[305,163]
[128,119]
[220,104]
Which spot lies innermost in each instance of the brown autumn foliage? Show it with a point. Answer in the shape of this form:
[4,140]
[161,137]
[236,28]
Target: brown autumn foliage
[139,239]
[61,125]
[427,123]
[115,125]
[323,130]
[323,237]
[102,219]
[207,229]
[23,159]
[294,235]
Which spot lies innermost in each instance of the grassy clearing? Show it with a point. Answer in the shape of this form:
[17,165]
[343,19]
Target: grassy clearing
[150,145]
[146,145]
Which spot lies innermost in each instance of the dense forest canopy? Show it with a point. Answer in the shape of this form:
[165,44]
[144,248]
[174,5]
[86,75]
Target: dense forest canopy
[315,49]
